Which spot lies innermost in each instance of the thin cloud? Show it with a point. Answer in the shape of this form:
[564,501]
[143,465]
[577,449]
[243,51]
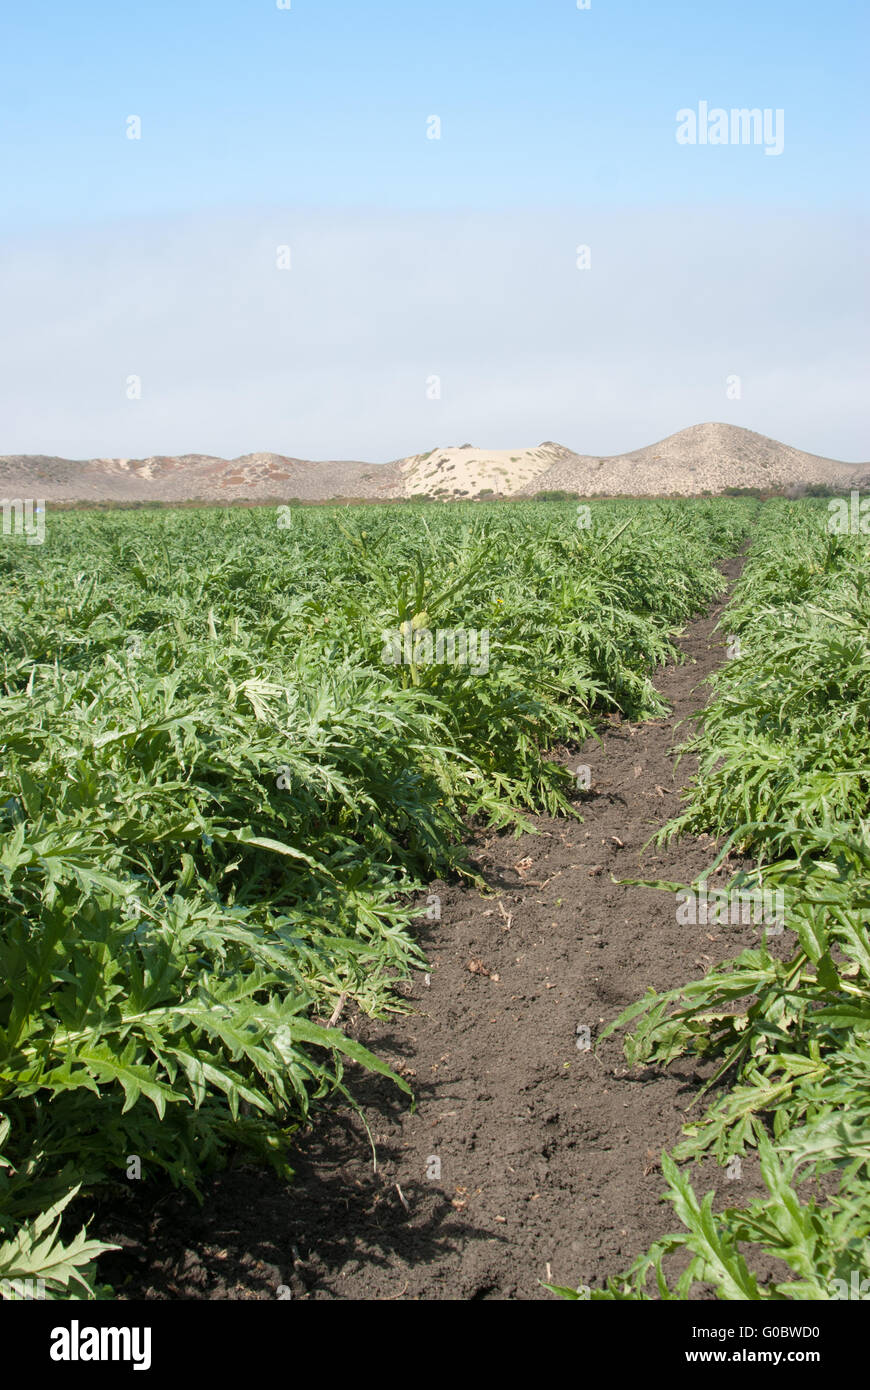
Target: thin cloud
[335,357]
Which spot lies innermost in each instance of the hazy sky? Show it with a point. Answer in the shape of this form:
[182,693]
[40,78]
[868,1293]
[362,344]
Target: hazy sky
[413,258]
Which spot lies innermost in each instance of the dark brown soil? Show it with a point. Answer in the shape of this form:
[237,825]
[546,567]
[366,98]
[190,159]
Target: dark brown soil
[526,1159]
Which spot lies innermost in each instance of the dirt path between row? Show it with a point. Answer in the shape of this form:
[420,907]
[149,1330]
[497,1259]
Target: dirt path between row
[528,1157]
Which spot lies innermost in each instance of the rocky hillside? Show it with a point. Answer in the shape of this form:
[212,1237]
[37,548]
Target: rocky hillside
[193,477]
[704,458]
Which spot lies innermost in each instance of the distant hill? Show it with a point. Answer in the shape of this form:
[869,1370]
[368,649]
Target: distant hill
[703,458]
[192,477]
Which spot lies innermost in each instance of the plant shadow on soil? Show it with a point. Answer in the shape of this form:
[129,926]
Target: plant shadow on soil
[526,1158]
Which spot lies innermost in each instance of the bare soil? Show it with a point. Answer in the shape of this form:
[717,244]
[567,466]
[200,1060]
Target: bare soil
[527,1159]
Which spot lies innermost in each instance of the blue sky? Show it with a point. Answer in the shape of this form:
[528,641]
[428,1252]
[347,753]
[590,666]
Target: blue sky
[309,125]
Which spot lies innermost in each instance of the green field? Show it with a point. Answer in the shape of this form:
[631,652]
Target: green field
[236,744]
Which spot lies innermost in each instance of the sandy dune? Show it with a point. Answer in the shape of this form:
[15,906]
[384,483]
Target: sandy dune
[469,471]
